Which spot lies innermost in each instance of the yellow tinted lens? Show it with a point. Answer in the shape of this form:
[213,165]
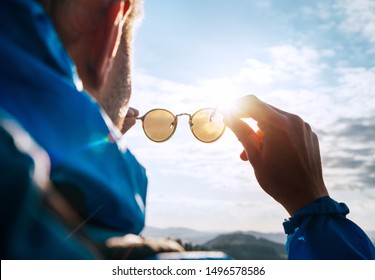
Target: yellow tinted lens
[208,125]
[159,125]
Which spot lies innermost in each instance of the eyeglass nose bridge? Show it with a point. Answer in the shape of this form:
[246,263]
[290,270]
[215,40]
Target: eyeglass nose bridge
[186,114]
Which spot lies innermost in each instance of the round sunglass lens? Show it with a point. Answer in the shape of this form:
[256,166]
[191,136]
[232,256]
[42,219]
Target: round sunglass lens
[208,125]
[159,125]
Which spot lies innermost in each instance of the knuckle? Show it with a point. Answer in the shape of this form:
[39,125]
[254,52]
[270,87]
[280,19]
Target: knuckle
[296,121]
[308,127]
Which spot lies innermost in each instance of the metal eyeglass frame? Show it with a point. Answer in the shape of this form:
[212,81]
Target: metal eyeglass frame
[175,122]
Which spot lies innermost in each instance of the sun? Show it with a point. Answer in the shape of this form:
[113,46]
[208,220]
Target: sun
[226,103]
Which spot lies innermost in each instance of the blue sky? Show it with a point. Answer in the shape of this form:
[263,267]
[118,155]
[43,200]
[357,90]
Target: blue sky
[312,58]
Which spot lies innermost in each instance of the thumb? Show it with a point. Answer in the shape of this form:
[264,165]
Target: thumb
[248,138]
[130,113]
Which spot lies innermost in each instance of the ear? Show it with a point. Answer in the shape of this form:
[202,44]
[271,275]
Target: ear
[107,38]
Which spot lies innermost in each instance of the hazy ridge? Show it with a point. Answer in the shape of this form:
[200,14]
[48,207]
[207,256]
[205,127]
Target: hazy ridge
[245,245]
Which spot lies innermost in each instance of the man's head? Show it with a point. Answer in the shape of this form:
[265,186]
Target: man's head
[92,31]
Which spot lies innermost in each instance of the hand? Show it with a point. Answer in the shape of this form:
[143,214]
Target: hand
[130,119]
[284,153]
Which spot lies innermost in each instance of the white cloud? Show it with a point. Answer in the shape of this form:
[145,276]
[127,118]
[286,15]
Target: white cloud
[288,77]
[351,97]
[286,64]
[358,17]
[359,80]
[296,61]
[296,65]
[244,213]
[257,72]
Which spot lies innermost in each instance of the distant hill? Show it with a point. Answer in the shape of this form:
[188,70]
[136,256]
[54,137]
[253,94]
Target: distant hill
[239,245]
[195,237]
[186,235]
[278,237]
[242,246]
[250,245]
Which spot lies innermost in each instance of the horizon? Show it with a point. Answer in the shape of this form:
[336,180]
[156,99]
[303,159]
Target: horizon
[314,59]
[371,232]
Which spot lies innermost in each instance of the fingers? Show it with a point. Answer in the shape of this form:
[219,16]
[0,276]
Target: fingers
[130,119]
[251,107]
[132,112]
[248,138]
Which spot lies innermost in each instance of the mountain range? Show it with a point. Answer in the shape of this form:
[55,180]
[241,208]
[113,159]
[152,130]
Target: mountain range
[249,245]
[195,237]
[245,245]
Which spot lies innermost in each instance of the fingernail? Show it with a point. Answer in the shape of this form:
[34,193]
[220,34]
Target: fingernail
[130,113]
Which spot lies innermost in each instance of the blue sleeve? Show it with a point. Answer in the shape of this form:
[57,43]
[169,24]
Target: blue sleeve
[29,229]
[321,231]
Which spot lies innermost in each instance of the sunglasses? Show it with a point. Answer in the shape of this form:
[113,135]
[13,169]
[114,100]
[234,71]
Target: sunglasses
[207,125]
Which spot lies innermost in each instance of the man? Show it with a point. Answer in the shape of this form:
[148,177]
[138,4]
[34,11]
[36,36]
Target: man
[42,93]
[42,90]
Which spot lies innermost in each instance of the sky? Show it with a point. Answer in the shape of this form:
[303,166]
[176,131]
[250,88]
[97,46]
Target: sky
[312,58]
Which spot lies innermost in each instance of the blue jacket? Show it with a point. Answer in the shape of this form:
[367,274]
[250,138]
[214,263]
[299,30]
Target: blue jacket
[38,88]
[30,229]
[321,231]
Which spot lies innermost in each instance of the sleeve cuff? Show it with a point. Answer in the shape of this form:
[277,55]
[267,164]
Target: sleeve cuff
[321,206]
